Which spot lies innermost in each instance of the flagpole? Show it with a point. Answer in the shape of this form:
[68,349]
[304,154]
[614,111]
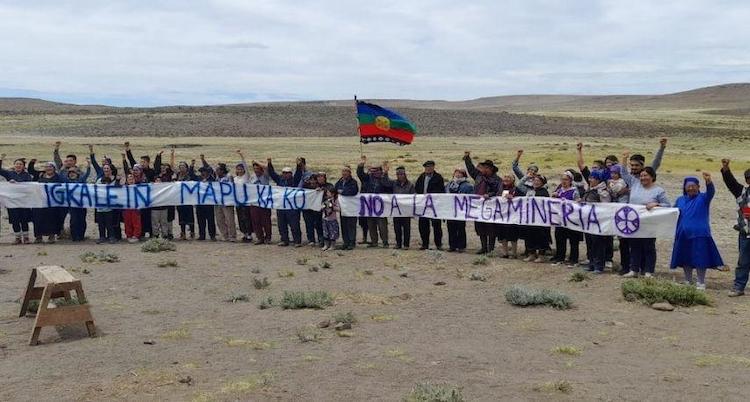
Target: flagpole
[359,135]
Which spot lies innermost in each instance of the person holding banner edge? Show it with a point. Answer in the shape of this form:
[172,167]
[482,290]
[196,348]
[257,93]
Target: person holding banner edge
[742,195]
[486,184]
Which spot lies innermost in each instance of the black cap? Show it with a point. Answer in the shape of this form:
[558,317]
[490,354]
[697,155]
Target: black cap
[429,163]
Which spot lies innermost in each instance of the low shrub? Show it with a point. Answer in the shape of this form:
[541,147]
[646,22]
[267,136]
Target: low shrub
[266,303]
[476,276]
[325,265]
[261,283]
[562,386]
[167,263]
[158,245]
[101,256]
[309,334]
[567,350]
[481,260]
[346,318]
[522,296]
[427,392]
[652,290]
[306,299]
[302,261]
[236,298]
[580,276]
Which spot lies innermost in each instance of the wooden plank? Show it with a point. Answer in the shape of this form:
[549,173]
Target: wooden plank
[29,293]
[65,315]
[55,274]
[42,310]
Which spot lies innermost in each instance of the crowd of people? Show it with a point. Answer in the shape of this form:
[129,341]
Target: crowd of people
[626,180]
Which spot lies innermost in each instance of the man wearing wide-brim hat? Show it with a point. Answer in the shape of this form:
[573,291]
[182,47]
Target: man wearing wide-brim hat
[430,182]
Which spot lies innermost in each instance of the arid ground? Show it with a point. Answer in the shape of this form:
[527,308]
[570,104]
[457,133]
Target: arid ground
[169,333]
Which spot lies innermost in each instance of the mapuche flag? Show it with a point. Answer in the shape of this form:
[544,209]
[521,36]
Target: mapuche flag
[378,124]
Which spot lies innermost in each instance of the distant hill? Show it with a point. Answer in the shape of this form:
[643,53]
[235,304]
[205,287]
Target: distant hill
[718,110]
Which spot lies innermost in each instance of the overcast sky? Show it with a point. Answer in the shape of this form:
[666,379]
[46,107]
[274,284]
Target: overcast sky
[223,51]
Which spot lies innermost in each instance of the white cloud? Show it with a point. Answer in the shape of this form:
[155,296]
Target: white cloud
[196,52]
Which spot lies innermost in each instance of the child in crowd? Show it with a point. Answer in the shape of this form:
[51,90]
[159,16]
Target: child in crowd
[331,210]
[617,185]
[132,217]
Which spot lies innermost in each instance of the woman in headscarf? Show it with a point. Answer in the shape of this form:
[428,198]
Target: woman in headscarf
[47,221]
[459,184]
[19,217]
[694,248]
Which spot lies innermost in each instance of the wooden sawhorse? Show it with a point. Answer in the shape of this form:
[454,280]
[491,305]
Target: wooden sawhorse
[59,283]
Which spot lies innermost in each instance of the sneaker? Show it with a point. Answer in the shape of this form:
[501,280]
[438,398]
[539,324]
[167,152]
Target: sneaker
[112,241]
[539,260]
[406,247]
[101,240]
[259,242]
[700,286]
[736,293]
[324,248]
[631,274]
[585,262]
[132,240]
[590,268]
[423,247]
[529,258]
[608,264]
[283,244]
[460,250]
[571,264]
[598,272]
[297,244]
[648,275]
[556,263]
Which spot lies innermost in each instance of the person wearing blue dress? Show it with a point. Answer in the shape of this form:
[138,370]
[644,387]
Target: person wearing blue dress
[694,248]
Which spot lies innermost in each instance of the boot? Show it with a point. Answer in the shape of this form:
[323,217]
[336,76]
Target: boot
[483,240]
[504,248]
[514,249]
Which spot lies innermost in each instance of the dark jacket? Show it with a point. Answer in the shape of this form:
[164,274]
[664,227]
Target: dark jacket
[489,185]
[347,187]
[280,181]
[18,177]
[436,184]
[372,184]
[406,188]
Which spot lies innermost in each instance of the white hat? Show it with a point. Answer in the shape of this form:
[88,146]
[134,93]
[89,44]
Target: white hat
[286,170]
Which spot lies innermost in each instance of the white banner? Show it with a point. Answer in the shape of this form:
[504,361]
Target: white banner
[610,219]
[77,195]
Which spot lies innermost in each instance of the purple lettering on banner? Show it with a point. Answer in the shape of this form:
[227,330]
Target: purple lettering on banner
[394,205]
[460,203]
[414,206]
[567,210]
[498,210]
[471,207]
[371,205]
[580,217]
[526,202]
[515,208]
[142,193]
[536,210]
[552,205]
[429,203]
[55,197]
[482,210]
[593,219]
